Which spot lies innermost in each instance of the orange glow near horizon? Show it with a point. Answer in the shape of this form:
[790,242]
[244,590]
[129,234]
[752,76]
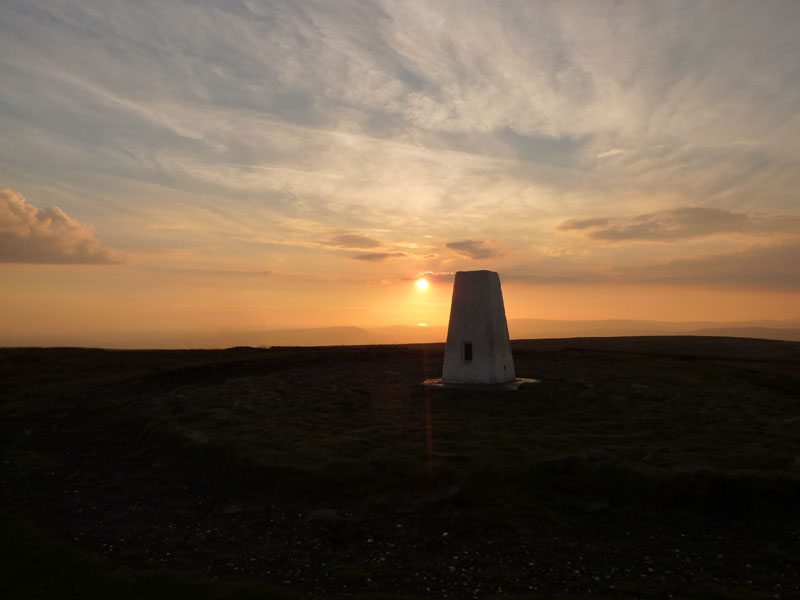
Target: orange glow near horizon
[83,305]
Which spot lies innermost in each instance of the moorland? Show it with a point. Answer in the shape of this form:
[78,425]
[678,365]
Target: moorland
[638,467]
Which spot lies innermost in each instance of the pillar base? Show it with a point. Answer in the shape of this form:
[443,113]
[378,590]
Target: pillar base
[481,387]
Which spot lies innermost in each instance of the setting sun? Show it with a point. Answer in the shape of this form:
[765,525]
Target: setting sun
[422,284]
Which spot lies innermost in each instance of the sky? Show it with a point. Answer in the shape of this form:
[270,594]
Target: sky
[201,166]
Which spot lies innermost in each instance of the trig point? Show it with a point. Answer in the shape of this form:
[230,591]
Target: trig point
[478,349]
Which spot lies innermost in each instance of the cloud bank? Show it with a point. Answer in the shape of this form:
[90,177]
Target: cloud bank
[774,267]
[680,224]
[46,236]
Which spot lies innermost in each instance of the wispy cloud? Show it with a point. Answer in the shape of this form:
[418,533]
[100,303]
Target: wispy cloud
[774,266]
[442,277]
[351,240]
[32,235]
[771,266]
[680,224]
[612,152]
[474,249]
[379,256]
[483,120]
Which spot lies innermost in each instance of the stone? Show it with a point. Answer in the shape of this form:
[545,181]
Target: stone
[478,349]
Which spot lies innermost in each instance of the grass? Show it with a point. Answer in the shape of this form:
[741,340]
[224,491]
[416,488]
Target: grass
[35,566]
[697,452]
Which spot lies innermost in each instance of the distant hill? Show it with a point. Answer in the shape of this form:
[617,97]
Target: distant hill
[404,334]
[543,328]
[675,345]
[221,338]
[764,333]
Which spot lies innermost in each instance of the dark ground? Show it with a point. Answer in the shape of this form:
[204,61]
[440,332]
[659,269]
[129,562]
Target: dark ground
[638,468]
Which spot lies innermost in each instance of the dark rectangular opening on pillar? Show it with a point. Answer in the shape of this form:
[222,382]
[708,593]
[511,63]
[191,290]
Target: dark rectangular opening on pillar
[468,351]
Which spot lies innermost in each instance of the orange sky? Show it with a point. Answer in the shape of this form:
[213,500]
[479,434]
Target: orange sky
[184,167]
[90,302]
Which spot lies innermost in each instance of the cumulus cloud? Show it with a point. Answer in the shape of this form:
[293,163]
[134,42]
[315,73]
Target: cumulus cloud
[679,224]
[32,235]
[474,249]
[379,256]
[351,240]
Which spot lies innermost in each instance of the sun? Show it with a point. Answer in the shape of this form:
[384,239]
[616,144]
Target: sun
[422,284]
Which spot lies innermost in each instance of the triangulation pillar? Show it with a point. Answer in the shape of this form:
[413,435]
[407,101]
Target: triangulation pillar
[478,348]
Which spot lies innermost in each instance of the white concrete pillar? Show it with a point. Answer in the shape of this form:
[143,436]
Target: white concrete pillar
[478,348]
